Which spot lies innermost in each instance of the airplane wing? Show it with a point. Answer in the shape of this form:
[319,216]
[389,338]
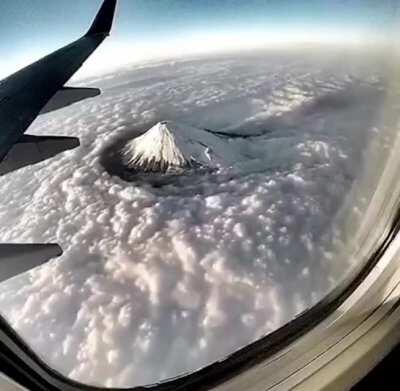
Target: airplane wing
[16,259]
[39,88]
[68,96]
[34,149]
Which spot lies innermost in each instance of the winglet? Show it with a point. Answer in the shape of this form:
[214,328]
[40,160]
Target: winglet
[104,19]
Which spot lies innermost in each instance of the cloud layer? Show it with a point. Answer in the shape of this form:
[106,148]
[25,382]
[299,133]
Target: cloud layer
[156,282]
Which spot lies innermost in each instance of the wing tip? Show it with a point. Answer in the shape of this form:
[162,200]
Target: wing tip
[104,19]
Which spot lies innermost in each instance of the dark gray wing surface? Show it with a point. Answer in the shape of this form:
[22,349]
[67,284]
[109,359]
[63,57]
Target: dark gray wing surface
[35,149]
[68,96]
[19,258]
[24,94]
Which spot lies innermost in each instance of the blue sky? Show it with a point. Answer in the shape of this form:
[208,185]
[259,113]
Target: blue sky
[31,28]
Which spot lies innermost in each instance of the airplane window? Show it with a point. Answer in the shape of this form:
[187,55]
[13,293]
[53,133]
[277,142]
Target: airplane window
[208,196]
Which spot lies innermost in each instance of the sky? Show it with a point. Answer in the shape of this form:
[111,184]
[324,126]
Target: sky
[149,29]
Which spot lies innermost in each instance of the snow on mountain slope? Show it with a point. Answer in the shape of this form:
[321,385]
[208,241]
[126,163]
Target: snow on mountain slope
[170,146]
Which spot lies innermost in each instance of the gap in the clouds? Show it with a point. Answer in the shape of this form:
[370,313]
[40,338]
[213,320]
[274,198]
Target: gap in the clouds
[112,160]
[192,178]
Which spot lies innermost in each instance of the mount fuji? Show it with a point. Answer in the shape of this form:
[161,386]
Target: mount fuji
[171,147]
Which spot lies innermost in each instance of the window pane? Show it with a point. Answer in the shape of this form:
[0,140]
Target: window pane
[264,130]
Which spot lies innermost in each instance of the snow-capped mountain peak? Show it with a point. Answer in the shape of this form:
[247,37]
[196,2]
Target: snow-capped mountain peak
[170,146]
